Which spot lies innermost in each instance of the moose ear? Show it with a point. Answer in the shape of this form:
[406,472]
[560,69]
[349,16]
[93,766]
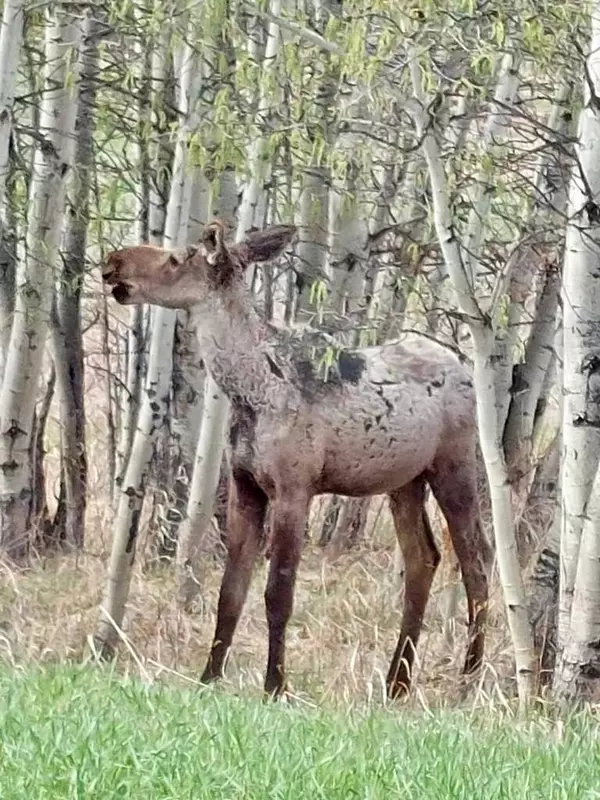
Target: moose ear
[260,246]
[213,239]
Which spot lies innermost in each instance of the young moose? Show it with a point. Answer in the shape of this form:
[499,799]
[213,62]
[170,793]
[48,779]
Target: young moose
[387,419]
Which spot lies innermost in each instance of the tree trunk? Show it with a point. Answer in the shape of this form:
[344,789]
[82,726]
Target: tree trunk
[175,457]
[211,442]
[11,36]
[350,528]
[10,47]
[578,676]
[207,468]
[189,389]
[495,132]
[540,261]
[528,381]
[156,391]
[66,328]
[502,513]
[53,159]
[543,587]
[253,201]
[40,518]
[156,103]
[313,230]
[461,276]
[581,360]
[111,424]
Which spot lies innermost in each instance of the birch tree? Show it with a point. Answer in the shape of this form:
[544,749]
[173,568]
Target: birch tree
[156,389]
[313,240]
[211,441]
[10,47]
[134,349]
[52,162]
[578,675]
[66,328]
[482,326]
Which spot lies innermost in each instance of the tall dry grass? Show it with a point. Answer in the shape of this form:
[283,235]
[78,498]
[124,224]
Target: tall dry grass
[341,637]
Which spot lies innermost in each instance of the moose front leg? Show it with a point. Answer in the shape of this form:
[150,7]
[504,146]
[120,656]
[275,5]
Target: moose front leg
[245,521]
[288,521]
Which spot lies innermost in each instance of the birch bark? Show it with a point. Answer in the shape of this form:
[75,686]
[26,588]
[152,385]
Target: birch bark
[482,332]
[52,162]
[579,603]
[211,442]
[67,333]
[158,379]
[10,47]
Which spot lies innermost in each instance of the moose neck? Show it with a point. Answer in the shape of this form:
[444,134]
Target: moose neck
[231,334]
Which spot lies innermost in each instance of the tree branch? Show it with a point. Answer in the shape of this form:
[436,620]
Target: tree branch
[304,33]
[441,205]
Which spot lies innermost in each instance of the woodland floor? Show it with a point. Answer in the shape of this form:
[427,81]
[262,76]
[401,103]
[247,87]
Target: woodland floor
[341,638]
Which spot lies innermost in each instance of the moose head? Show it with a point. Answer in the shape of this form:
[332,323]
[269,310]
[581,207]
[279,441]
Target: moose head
[186,277]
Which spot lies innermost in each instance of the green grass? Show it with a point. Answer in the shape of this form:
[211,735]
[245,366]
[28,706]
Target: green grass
[87,733]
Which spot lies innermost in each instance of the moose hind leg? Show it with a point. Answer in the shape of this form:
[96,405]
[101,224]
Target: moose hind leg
[287,536]
[245,520]
[454,485]
[421,558]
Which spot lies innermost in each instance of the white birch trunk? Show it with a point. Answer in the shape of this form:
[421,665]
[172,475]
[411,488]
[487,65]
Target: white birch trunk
[382,292]
[10,48]
[313,236]
[193,538]
[211,442]
[495,132]
[131,394]
[173,462]
[519,428]
[521,268]
[135,331]
[490,437]
[528,282]
[543,586]
[313,230]
[581,392]
[347,249]
[67,334]
[156,390]
[578,677]
[29,331]
[252,208]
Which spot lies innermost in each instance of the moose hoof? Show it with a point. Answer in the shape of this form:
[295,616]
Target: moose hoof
[274,690]
[210,676]
[397,690]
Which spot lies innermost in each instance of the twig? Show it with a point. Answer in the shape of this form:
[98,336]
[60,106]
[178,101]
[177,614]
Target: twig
[304,33]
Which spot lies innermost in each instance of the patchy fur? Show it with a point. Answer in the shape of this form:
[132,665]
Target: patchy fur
[308,418]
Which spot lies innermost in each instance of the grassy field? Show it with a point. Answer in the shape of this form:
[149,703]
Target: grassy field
[89,733]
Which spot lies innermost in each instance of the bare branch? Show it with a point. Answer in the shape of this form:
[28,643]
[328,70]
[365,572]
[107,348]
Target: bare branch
[304,33]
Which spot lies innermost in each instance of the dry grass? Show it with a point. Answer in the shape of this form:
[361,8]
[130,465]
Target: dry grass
[342,635]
